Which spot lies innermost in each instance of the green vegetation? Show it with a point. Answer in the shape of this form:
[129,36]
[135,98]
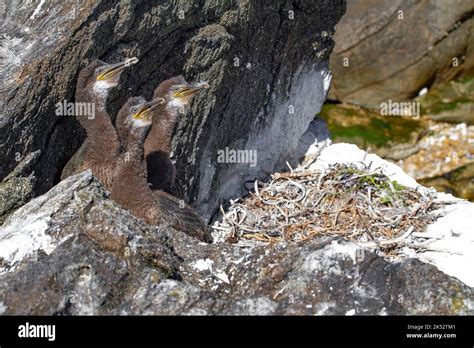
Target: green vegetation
[458,305]
[388,191]
[367,128]
[450,102]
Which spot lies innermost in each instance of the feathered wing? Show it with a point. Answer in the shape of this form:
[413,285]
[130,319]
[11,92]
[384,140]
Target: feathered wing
[76,163]
[180,216]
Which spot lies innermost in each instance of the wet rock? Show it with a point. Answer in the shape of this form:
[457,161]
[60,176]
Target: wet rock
[253,94]
[74,251]
[376,47]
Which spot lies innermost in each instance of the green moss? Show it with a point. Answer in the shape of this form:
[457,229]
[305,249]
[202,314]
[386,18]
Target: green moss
[458,305]
[367,128]
[364,135]
[386,200]
[389,190]
[397,186]
[441,106]
[448,97]
[175,293]
[468,79]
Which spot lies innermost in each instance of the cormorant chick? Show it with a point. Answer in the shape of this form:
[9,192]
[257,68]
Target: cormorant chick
[177,94]
[130,186]
[101,149]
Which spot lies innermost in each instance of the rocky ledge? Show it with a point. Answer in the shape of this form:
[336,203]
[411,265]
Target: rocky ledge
[74,251]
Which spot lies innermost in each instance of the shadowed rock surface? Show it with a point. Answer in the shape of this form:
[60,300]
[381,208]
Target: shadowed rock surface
[17,187]
[256,95]
[74,251]
[390,57]
[459,182]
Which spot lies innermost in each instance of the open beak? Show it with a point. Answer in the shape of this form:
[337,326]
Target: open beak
[190,89]
[145,110]
[114,69]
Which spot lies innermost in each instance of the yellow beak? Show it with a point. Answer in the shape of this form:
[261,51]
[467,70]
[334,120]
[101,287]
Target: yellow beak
[145,109]
[114,69]
[190,89]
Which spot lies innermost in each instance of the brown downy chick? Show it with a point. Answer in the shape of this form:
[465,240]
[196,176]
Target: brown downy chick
[130,187]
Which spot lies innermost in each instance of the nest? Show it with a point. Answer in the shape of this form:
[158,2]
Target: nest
[365,206]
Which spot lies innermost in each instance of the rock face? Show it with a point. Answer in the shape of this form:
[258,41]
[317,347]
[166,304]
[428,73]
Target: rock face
[256,97]
[74,251]
[459,182]
[17,187]
[386,60]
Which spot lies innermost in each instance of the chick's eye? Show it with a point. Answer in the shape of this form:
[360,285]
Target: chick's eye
[175,88]
[134,109]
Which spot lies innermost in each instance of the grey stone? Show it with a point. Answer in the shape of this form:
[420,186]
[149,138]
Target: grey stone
[73,251]
[17,187]
[393,55]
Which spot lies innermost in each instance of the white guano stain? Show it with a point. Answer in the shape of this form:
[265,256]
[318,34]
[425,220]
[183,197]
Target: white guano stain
[37,10]
[27,230]
[208,265]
